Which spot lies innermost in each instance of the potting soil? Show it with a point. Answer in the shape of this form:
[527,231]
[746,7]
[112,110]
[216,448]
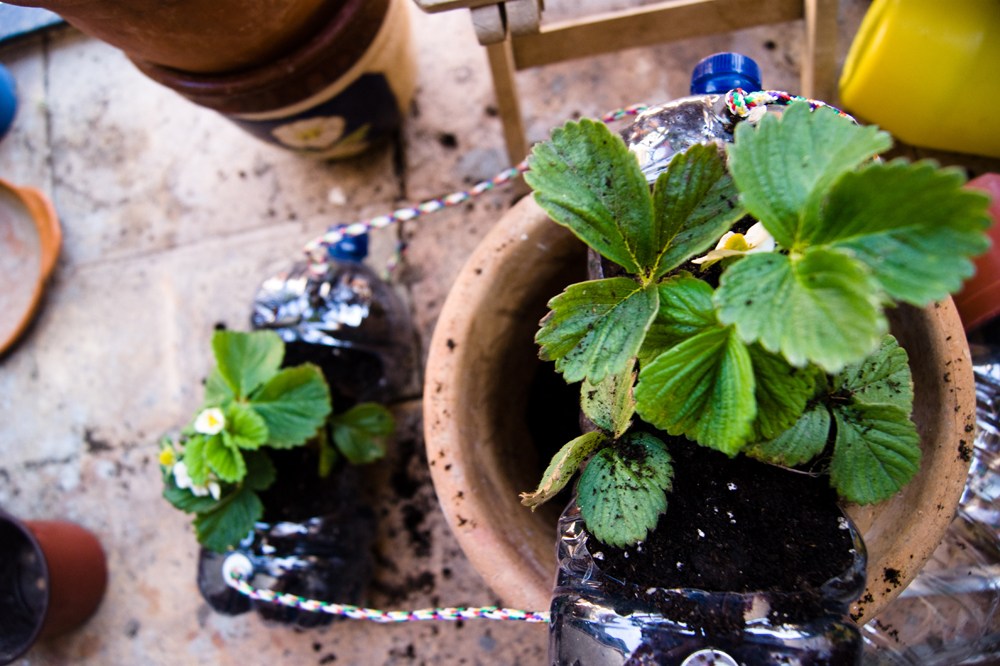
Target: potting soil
[735,524]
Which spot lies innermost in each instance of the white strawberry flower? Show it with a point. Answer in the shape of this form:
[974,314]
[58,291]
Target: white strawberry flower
[211,421]
[732,244]
[183,480]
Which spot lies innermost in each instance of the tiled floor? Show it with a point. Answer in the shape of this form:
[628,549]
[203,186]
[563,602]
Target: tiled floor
[172,216]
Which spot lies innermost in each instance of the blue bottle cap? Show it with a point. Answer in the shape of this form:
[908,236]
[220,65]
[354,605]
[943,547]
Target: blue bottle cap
[8,100]
[721,72]
[350,248]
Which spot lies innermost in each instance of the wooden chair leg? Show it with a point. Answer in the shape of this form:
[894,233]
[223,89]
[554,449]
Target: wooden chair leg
[501,58]
[819,64]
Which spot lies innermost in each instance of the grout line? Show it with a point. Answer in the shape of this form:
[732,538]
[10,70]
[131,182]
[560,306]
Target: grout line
[156,252]
[46,44]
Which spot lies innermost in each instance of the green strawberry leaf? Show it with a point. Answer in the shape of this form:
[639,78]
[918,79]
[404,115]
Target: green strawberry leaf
[224,458]
[622,491]
[361,431]
[781,392]
[702,388]
[247,360]
[218,393]
[694,203]
[246,427]
[799,444]
[233,519]
[195,459]
[913,225]
[609,403]
[818,307]
[585,178]
[784,167]
[294,404]
[876,452]
[563,466]
[594,328]
[882,378]
[260,471]
[685,310]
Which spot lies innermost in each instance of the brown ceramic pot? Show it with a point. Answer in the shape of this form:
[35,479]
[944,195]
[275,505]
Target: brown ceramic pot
[193,35]
[52,578]
[483,356]
[335,94]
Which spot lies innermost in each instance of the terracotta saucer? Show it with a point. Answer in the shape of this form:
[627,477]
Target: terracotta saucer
[30,238]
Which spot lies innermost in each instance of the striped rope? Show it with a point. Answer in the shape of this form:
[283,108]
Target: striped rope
[236,580]
[316,249]
[741,103]
[738,101]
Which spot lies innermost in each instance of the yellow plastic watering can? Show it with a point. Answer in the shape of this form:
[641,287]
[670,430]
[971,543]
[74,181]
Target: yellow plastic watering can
[929,72]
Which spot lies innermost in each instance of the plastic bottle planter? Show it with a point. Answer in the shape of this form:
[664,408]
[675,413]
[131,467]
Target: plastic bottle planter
[52,578]
[326,557]
[352,325]
[591,627]
[346,320]
[340,92]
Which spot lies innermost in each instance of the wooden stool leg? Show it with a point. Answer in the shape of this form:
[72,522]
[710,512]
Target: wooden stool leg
[502,67]
[819,63]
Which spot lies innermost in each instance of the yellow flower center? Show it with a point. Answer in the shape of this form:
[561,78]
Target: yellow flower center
[737,243]
[167,457]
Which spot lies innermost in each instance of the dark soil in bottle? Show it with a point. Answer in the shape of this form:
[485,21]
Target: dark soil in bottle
[354,375]
[320,524]
[738,525]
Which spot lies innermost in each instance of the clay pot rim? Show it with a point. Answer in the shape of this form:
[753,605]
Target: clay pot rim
[46,222]
[22,527]
[495,539]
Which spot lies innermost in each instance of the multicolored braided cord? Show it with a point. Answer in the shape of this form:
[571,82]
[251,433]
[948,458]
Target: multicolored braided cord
[237,582]
[316,248]
[738,101]
[741,103]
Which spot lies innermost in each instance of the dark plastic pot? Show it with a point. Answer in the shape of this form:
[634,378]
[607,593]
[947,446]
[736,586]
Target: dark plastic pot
[592,627]
[346,87]
[52,578]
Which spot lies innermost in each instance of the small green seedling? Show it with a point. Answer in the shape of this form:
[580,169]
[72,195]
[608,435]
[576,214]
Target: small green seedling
[219,464]
[790,350]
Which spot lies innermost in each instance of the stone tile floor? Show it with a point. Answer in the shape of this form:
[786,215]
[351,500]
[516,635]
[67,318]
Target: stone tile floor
[172,216]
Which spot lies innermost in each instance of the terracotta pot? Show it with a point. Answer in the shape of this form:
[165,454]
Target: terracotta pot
[196,36]
[482,358]
[979,300]
[52,579]
[30,238]
[332,97]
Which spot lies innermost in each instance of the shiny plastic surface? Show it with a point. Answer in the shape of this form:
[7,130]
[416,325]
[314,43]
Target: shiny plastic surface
[948,616]
[348,321]
[324,557]
[661,132]
[589,627]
